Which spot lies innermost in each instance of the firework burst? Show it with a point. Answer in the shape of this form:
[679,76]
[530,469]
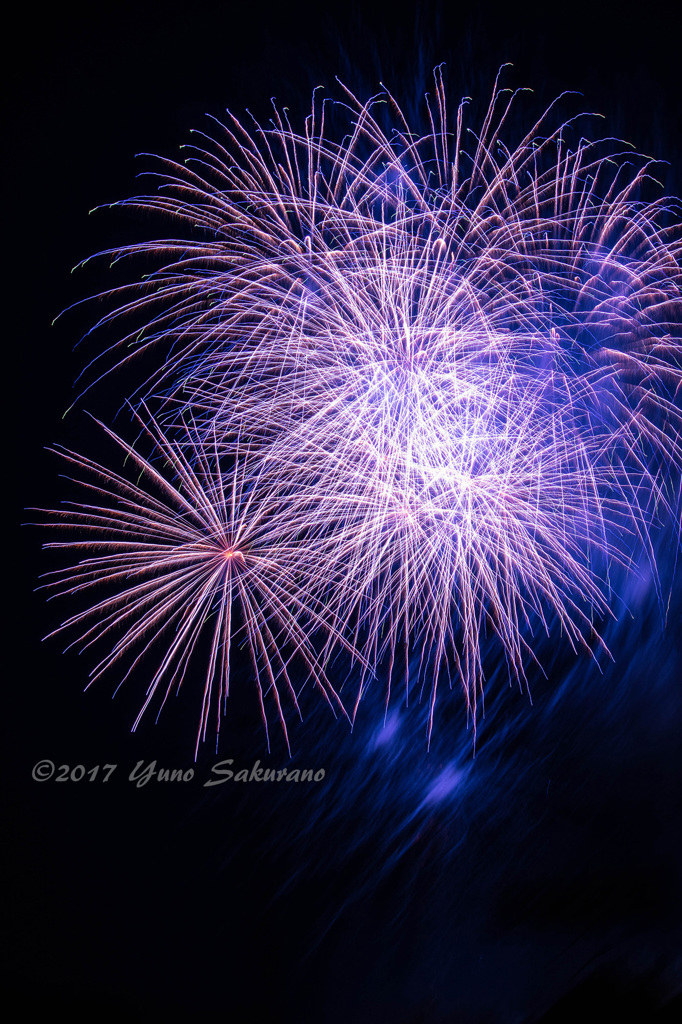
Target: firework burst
[177,557]
[445,374]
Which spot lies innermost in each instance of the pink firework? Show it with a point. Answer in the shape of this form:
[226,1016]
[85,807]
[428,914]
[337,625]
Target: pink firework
[177,556]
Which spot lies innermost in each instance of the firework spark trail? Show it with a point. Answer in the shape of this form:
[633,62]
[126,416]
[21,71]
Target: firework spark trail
[448,380]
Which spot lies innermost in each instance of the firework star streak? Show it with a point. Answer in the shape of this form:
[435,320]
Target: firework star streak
[446,372]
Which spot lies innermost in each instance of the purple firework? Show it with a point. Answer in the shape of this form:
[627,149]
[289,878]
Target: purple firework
[444,375]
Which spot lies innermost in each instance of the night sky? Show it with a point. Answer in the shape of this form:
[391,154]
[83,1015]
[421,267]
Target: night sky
[548,885]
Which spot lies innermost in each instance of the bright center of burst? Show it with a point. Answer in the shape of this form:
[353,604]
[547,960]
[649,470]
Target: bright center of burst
[436,431]
[233,555]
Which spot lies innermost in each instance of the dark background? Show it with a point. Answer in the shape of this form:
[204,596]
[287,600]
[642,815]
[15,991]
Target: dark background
[157,904]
